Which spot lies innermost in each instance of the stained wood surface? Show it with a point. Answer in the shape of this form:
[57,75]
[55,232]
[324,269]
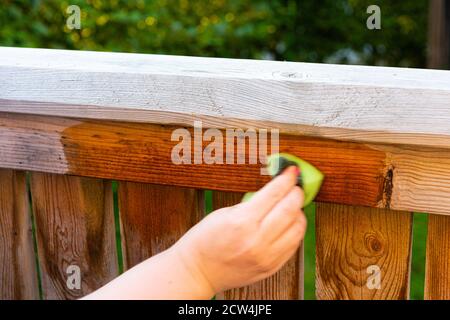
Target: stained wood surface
[437,270]
[154,217]
[18,274]
[286,284]
[401,178]
[370,104]
[75,227]
[350,241]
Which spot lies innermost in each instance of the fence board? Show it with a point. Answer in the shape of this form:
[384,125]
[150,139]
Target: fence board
[437,270]
[17,258]
[154,217]
[285,284]
[75,227]
[349,240]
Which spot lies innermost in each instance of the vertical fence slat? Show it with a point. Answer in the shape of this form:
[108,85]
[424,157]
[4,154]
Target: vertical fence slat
[437,269]
[75,227]
[352,242]
[154,217]
[285,284]
[17,257]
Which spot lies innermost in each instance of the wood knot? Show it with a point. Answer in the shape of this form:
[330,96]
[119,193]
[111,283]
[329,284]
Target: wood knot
[373,243]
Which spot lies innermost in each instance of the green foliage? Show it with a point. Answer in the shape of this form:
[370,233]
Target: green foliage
[315,31]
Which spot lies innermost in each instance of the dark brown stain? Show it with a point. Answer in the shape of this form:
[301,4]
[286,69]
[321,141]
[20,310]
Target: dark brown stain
[388,187]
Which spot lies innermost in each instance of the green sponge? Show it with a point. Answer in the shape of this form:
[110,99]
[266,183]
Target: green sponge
[310,178]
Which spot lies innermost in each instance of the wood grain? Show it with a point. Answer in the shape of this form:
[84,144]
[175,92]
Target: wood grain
[385,176]
[19,278]
[437,269]
[154,217]
[351,239]
[142,153]
[365,104]
[286,284]
[75,227]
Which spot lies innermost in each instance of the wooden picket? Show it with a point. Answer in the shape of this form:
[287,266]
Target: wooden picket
[437,270]
[154,217]
[355,245]
[75,232]
[17,264]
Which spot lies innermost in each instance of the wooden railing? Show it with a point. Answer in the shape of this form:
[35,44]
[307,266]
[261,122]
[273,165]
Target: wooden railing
[88,179]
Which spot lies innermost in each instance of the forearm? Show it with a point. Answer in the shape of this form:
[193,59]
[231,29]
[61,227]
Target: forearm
[164,276]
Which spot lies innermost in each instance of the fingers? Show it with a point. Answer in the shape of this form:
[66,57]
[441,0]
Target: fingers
[267,197]
[283,215]
[290,241]
[286,246]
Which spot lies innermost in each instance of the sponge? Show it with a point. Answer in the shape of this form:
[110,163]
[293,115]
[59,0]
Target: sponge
[310,178]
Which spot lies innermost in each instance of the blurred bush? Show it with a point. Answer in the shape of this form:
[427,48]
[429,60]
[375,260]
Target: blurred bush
[309,30]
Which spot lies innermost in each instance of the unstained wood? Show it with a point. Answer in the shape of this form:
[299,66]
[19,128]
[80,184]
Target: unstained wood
[357,103]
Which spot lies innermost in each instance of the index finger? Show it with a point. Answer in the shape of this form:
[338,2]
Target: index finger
[267,197]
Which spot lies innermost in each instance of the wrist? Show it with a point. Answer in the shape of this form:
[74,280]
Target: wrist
[192,273]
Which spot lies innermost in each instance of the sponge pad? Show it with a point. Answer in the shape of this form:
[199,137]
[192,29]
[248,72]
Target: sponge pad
[310,178]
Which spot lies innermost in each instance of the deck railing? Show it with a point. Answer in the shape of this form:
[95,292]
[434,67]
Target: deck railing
[88,181]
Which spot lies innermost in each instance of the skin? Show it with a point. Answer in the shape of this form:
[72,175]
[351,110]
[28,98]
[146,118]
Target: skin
[231,247]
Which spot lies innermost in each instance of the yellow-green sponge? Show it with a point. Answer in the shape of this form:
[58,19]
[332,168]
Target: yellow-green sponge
[310,178]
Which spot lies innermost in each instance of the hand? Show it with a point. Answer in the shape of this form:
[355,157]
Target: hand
[236,246]
[231,247]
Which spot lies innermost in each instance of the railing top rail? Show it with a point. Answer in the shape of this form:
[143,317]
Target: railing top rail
[357,103]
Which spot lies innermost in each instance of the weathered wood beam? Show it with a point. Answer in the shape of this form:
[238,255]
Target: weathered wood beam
[352,103]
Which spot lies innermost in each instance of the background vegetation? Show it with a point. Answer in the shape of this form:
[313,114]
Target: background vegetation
[332,31]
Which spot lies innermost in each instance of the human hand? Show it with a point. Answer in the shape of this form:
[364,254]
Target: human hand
[236,246]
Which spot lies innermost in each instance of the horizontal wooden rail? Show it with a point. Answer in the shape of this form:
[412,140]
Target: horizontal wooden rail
[384,176]
[353,103]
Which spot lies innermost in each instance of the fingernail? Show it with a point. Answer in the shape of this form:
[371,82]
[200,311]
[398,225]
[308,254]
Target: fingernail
[292,169]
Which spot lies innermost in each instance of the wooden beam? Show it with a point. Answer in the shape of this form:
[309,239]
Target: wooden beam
[401,178]
[356,103]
